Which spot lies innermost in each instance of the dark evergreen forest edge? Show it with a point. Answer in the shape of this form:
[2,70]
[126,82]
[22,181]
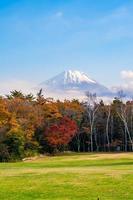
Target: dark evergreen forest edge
[32,125]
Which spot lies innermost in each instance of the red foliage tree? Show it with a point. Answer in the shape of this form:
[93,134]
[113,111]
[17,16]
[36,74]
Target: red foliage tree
[61,133]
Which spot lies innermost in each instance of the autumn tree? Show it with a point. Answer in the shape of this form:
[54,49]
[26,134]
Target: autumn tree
[60,134]
[74,110]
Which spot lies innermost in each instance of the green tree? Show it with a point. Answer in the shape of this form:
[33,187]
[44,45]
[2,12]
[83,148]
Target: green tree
[15,143]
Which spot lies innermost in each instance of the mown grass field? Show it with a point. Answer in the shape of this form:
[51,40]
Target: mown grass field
[69,177]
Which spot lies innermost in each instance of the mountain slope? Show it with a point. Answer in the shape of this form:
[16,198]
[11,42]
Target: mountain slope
[72,82]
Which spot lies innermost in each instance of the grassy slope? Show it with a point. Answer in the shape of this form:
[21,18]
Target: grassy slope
[73,177]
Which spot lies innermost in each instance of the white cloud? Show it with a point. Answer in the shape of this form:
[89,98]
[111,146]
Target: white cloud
[21,85]
[127,74]
[127,83]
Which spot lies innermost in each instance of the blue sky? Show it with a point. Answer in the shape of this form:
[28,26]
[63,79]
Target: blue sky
[41,38]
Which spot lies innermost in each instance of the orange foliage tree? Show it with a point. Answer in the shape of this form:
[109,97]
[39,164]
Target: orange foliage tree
[60,134]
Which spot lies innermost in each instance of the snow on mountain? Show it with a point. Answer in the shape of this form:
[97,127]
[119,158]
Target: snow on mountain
[76,77]
[70,83]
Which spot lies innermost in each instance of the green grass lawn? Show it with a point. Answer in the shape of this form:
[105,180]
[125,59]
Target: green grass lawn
[69,177]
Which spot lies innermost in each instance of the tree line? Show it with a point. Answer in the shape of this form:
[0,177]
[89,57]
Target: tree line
[31,125]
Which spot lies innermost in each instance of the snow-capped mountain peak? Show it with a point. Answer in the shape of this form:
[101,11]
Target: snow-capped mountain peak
[71,82]
[77,77]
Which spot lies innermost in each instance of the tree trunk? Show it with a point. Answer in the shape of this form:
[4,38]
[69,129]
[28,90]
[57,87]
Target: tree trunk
[107,129]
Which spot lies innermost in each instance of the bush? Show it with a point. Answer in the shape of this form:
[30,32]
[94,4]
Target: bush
[31,153]
[15,143]
[4,154]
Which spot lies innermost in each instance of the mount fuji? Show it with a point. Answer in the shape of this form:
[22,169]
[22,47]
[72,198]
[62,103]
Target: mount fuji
[73,84]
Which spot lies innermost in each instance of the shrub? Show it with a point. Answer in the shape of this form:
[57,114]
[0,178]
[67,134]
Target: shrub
[4,154]
[15,143]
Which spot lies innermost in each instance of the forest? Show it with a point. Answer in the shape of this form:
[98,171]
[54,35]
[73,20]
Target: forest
[33,125]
